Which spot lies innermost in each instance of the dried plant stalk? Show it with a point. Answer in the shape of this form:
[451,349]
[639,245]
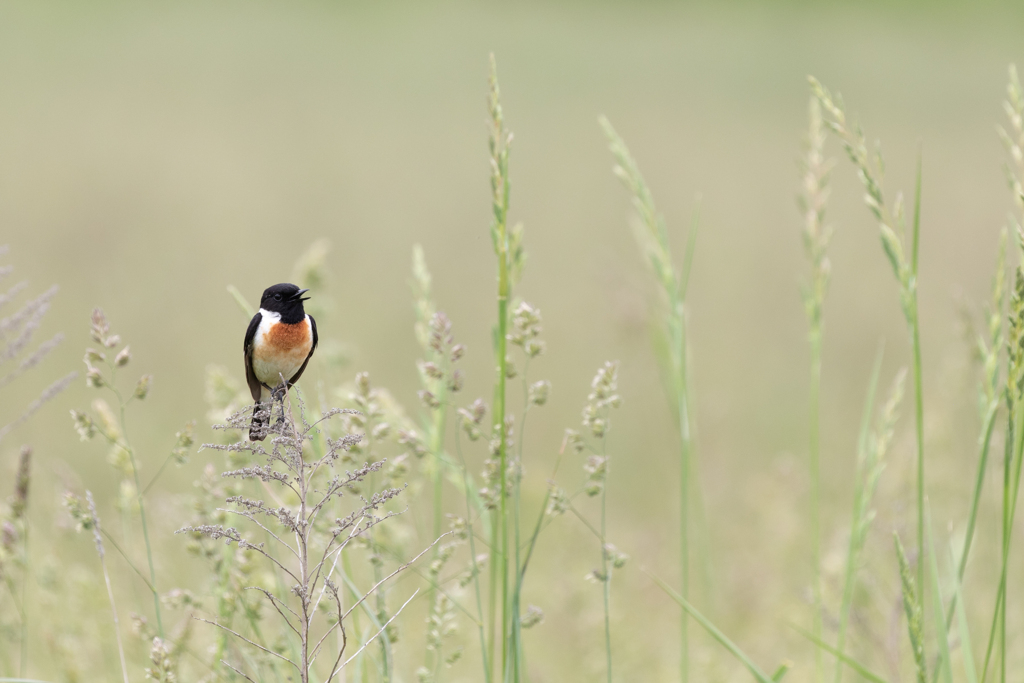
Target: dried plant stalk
[304,542]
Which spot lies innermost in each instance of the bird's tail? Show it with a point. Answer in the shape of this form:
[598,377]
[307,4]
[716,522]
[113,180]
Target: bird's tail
[260,422]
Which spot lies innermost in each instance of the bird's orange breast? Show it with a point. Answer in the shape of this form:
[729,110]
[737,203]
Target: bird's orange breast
[280,349]
[285,337]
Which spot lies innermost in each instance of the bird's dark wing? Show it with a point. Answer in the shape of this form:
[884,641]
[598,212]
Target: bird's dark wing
[250,377]
[297,375]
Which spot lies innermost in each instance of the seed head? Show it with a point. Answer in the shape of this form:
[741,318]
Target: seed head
[100,328]
[615,558]
[558,501]
[431,370]
[428,399]
[21,481]
[455,385]
[142,388]
[84,425]
[574,440]
[538,393]
[93,377]
[534,615]
[185,439]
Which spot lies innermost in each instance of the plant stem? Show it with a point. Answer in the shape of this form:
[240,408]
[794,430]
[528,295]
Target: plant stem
[987,430]
[678,326]
[502,457]
[918,391]
[605,572]
[814,469]
[117,625]
[23,661]
[499,232]
[865,463]
[142,513]
[476,569]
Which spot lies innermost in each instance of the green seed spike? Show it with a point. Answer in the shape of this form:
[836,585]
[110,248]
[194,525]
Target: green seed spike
[915,622]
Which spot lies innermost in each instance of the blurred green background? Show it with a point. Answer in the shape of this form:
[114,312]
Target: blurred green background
[152,154]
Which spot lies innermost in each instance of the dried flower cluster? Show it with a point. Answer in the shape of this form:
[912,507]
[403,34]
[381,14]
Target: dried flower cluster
[310,489]
[17,331]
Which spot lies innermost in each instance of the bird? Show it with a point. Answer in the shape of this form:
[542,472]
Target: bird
[279,342]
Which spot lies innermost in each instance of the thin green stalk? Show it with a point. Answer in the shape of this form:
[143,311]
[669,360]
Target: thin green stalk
[812,202]
[993,629]
[862,670]
[127,560]
[945,662]
[987,429]
[970,670]
[918,391]
[678,323]
[684,505]
[23,661]
[860,511]
[499,425]
[17,608]
[499,232]
[145,527]
[736,652]
[517,657]
[159,472]
[605,569]
[1014,444]
[346,574]
[814,470]
[892,232]
[138,492]
[653,237]
[476,568]
[1011,487]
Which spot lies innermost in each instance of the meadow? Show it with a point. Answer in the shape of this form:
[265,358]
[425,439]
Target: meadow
[760,383]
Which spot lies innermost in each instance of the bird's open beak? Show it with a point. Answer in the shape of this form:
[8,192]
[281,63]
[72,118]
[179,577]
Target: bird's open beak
[299,294]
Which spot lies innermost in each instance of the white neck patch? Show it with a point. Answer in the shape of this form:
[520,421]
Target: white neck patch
[270,316]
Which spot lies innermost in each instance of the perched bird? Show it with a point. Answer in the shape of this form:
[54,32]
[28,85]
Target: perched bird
[278,344]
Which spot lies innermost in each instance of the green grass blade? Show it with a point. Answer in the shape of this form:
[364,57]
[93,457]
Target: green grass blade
[691,243]
[915,238]
[869,401]
[862,670]
[970,669]
[859,508]
[945,663]
[781,671]
[992,632]
[241,301]
[723,640]
[918,390]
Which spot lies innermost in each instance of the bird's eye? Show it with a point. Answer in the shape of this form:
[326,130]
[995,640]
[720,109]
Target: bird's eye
[277,297]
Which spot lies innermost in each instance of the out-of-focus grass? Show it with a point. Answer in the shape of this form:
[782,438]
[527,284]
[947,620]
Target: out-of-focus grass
[151,155]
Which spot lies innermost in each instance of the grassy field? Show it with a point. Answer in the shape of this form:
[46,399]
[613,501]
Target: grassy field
[152,156]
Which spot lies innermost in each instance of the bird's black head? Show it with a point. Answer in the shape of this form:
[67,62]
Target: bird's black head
[285,299]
